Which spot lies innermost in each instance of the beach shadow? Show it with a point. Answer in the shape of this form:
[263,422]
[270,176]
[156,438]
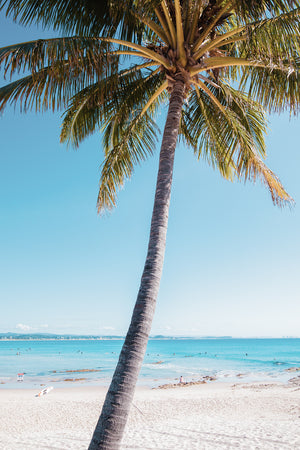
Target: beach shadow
[216,439]
[230,436]
[134,447]
[60,444]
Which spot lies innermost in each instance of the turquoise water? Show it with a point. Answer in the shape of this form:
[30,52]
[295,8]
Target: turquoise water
[48,361]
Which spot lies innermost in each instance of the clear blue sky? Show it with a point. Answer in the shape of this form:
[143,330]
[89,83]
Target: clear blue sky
[232,258]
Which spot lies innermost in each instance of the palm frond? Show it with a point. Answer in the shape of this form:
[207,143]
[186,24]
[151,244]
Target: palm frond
[83,115]
[136,143]
[36,55]
[49,88]
[256,10]
[81,17]
[201,129]
[231,138]
[105,102]
[179,33]
[275,83]
[252,168]
[276,89]
[129,138]
[274,38]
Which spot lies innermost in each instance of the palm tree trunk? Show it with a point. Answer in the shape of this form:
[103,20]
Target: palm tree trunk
[110,427]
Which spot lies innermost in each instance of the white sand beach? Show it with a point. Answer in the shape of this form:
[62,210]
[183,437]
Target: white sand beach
[208,416]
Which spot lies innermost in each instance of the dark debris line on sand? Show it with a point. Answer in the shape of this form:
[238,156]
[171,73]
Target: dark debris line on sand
[188,383]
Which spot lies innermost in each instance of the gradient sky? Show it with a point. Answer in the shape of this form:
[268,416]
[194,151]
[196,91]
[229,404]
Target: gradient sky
[232,258]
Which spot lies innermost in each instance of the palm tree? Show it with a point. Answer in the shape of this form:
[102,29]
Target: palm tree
[221,65]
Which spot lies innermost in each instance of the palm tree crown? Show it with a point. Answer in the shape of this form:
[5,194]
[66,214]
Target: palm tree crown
[210,43]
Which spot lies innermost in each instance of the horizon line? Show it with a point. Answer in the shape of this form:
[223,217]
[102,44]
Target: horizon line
[153,336]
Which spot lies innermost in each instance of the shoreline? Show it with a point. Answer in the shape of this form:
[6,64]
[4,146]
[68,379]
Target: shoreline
[88,378]
[209,416]
[94,389]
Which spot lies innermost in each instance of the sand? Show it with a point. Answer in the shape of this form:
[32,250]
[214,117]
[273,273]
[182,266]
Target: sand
[209,416]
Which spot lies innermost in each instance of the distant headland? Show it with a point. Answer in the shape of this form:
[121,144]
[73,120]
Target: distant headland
[73,337]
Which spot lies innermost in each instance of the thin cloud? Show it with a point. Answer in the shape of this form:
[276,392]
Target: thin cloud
[23,327]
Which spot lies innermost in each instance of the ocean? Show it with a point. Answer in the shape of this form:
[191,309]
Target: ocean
[64,363]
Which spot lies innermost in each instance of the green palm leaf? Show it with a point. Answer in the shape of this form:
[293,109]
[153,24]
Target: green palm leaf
[82,17]
[60,68]
[110,102]
[119,110]
[137,142]
[88,54]
[231,140]
[49,88]
[83,115]
[276,37]
[263,9]
[276,89]
[128,140]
